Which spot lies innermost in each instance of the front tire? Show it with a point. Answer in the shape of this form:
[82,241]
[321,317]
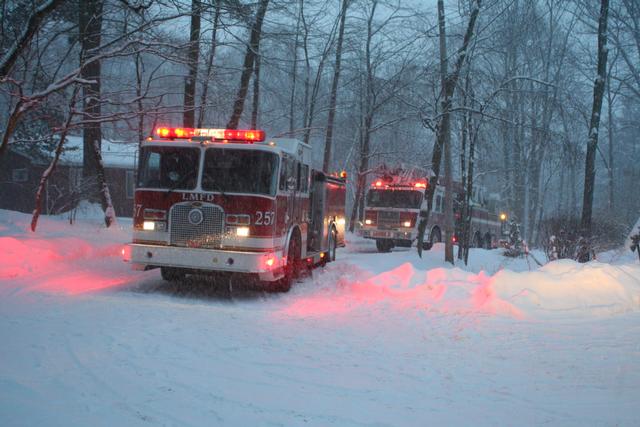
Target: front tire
[383,245]
[290,269]
[172,274]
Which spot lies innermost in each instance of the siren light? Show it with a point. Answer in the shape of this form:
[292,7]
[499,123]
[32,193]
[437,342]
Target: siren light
[245,135]
[172,133]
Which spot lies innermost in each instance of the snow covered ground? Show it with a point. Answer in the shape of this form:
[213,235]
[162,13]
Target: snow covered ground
[370,340]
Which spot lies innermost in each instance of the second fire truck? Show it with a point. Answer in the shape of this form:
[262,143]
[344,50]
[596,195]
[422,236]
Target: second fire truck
[393,205]
[222,200]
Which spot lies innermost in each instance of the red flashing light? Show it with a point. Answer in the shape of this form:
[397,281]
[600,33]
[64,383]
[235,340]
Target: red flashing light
[269,262]
[420,185]
[343,174]
[378,184]
[454,239]
[225,135]
[172,133]
[244,135]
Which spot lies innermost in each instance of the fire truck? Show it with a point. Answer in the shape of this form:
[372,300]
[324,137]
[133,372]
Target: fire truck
[393,205]
[231,201]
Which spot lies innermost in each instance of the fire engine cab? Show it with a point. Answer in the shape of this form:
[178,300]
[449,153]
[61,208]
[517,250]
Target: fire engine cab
[392,206]
[222,200]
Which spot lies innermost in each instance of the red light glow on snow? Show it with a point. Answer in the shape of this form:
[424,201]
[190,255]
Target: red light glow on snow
[404,289]
[61,265]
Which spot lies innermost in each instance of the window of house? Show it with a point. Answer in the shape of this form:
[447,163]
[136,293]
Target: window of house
[130,180]
[20,175]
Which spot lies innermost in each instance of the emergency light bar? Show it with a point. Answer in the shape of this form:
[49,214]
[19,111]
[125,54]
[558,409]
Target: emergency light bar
[251,135]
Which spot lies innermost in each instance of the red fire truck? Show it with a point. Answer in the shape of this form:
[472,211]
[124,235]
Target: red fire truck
[221,200]
[393,204]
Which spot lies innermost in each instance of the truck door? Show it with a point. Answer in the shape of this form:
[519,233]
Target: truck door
[317,194]
[288,185]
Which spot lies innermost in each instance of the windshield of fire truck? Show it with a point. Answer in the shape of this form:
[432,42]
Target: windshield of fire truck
[394,199]
[232,170]
[174,168]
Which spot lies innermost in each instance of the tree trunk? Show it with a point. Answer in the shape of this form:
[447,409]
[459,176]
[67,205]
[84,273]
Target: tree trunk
[139,71]
[247,67]
[256,93]
[90,27]
[28,28]
[610,134]
[192,63]
[52,166]
[328,141]
[448,89]
[594,124]
[212,54]
[294,73]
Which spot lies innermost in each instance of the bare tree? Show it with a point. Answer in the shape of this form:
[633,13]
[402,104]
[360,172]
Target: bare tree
[326,163]
[443,128]
[247,67]
[54,162]
[210,58]
[192,64]
[33,23]
[594,124]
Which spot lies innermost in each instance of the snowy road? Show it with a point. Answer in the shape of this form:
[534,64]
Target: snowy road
[371,340]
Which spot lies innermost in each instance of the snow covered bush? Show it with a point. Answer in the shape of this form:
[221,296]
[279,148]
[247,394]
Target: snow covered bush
[561,238]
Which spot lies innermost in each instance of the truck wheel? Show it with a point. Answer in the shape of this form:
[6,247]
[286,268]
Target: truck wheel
[333,244]
[171,274]
[383,245]
[425,245]
[290,270]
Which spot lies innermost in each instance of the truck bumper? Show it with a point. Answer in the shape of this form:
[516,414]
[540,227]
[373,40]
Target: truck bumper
[388,234]
[145,256]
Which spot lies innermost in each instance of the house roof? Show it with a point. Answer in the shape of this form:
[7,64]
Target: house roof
[114,154]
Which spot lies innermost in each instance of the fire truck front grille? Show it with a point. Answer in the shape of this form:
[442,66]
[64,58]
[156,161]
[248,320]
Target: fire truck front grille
[195,229]
[388,219]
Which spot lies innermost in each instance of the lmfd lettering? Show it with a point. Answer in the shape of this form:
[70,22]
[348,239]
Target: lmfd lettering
[197,197]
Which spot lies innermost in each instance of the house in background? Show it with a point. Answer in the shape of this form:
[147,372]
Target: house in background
[20,174]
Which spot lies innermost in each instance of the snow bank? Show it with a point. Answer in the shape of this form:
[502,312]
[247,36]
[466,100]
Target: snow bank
[61,257]
[345,289]
[567,286]
[85,257]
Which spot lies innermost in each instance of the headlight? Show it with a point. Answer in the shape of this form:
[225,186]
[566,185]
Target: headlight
[242,231]
[407,224]
[368,221]
[154,226]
